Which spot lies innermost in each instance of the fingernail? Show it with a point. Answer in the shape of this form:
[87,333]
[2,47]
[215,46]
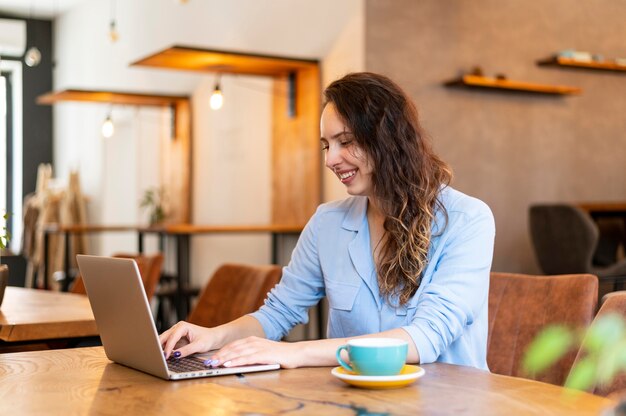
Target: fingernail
[227,364]
[176,354]
[211,363]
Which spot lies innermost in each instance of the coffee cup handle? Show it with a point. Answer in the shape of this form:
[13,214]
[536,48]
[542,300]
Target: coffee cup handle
[342,362]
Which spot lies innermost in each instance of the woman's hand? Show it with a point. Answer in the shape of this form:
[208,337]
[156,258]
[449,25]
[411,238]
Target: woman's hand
[186,339]
[256,350]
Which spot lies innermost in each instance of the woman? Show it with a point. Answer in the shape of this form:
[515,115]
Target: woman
[406,256]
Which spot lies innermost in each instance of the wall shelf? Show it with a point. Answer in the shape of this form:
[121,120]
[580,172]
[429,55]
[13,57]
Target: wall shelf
[575,64]
[175,154]
[482,82]
[296,101]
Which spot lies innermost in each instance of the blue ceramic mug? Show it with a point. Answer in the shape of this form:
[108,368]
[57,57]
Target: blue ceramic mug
[374,356]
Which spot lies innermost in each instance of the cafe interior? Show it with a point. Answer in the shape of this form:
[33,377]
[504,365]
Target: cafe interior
[185,135]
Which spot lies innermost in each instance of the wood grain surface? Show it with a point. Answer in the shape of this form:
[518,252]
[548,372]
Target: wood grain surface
[83,381]
[33,314]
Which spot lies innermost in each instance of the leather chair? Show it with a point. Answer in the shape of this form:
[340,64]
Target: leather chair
[565,239]
[149,269]
[615,303]
[520,306]
[233,291]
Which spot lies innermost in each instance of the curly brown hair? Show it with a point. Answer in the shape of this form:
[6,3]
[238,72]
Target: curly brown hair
[407,177]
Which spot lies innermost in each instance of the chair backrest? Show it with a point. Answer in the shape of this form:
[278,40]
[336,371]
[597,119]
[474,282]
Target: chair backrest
[233,291]
[522,305]
[612,236]
[614,302]
[149,269]
[564,238]
[150,266]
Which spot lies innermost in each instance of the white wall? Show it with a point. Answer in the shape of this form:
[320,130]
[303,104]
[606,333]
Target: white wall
[231,172]
[346,55]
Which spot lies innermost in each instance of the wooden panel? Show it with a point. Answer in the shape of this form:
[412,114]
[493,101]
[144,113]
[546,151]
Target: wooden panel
[83,381]
[207,60]
[110,97]
[176,166]
[296,154]
[32,314]
[509,85]
[571,63]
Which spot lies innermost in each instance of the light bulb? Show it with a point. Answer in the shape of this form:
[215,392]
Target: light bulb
[108,128]
[113,35]
[216,98]
[32,57]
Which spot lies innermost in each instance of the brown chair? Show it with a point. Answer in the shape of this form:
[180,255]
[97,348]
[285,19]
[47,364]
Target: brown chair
[521,305]
[614,302]
[149,269]
[233,291]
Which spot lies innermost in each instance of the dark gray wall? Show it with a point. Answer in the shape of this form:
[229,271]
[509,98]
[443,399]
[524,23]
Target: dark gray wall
[37,118]
[36,123]
[511,150]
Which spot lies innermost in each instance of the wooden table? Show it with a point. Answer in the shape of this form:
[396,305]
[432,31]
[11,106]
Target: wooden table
[34,319]
[83,381]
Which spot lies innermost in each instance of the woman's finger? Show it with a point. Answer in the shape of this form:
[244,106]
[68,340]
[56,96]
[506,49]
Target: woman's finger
[180,330]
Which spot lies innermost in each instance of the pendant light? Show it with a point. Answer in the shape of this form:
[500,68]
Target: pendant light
[113,34]
[217,99]
[32,57]
[108,128]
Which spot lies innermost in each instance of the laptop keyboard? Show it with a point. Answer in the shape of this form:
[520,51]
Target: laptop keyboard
[185,364]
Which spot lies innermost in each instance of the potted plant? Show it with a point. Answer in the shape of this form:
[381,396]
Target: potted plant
[5,237]
[602,353]
[153,200]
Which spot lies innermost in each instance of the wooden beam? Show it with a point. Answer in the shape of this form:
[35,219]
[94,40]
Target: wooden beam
[211,60]
[111,97]
[296,152]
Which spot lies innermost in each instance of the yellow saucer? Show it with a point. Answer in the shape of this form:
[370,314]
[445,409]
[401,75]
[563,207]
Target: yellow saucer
[408,375]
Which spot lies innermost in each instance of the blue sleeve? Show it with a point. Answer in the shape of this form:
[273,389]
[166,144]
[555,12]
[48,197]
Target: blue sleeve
[301,286]
[457,292]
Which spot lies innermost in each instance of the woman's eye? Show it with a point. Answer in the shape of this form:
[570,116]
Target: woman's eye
[324,146]
[346,142]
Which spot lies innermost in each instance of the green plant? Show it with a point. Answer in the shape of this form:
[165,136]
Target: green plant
[153,199]
[603,345]
[5,236]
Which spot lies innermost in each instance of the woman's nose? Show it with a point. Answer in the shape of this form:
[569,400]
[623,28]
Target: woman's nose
[332,157]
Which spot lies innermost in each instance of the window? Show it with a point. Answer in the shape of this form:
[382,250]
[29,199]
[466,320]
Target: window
[4,165]
[11,148]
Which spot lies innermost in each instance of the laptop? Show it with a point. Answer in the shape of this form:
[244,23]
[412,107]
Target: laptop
[126,327]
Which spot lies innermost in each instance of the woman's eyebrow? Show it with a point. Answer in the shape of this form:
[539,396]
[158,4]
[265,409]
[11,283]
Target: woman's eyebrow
[337,135]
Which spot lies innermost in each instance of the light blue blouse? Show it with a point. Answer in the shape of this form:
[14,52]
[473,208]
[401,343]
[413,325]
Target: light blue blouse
[447,316]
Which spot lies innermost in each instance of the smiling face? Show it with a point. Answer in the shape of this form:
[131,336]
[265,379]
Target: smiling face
[343,155]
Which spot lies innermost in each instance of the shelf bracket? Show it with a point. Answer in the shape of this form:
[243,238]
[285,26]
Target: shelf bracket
[173,122]
[291,94]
